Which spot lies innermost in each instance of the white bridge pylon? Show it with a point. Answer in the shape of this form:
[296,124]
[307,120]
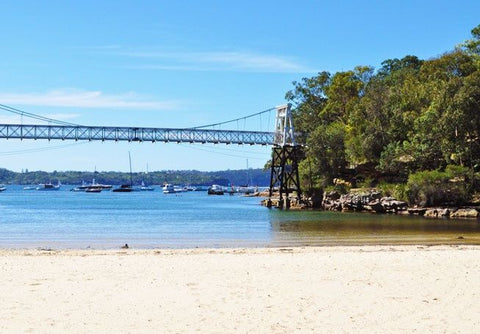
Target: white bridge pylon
[284,131]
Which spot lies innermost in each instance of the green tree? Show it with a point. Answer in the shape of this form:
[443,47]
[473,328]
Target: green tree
[409,116]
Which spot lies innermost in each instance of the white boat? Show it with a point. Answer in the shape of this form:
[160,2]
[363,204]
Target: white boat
[145,188]
[94,184]
[168,188]
[215,189]
[179,189]
[93,189]
[246,190]
[47,187]
[2,187]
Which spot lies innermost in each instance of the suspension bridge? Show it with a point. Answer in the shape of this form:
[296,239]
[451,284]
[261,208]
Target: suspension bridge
[285,149]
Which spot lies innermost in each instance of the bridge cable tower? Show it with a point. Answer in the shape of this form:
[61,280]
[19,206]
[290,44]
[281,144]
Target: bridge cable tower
[286,155]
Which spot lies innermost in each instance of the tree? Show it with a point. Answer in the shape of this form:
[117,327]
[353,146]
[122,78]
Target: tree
[409,116]
[473,45]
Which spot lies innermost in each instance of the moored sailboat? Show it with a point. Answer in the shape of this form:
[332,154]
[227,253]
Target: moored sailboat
[145,187]
[126,188]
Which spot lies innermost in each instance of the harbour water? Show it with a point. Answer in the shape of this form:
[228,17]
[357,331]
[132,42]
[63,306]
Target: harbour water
[64,219]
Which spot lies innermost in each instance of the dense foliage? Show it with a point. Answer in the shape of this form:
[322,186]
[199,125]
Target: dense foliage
[410,115]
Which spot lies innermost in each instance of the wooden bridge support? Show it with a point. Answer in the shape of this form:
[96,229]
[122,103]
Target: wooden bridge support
[284,174]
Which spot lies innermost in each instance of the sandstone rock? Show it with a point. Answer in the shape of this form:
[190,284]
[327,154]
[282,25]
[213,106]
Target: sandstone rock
[391,204]
[432,213]
[465,213]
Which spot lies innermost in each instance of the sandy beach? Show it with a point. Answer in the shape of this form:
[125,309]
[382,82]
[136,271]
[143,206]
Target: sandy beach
[368,289]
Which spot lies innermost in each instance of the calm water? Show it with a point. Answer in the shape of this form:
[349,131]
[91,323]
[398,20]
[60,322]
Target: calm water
[64,219]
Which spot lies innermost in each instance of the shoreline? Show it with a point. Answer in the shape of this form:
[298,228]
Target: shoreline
[431,241]
[393,238]
[5,252]
[388,288]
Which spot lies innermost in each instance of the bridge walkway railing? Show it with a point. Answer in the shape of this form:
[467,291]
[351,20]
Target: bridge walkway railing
[139,134]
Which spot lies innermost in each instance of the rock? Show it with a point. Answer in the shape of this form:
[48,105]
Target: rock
[375,206]
[371,200]
[331,195]
[432,213]
[465,213]
[445,212]
[332,205]
[437,213]
[417,211]
[391,204]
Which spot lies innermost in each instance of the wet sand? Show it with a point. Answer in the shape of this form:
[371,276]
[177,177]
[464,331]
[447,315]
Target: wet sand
[357,289]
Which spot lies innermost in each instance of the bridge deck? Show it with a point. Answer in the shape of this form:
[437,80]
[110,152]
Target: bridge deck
[139,134]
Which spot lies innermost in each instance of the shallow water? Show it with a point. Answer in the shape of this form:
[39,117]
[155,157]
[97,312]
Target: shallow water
[64,219]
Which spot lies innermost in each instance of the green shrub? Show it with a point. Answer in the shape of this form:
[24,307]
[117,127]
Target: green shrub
[397,190]
[434,187]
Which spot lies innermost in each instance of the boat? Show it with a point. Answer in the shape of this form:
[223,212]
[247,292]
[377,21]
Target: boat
[93,189]
[230,190]
[168,188]
[2,187]
[145,188]
[30,188]
[126,188]
[94,184]
[179,189]
[47,187]
[245,189]
[215,189]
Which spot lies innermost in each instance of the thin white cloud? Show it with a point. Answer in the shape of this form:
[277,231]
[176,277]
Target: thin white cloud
[85,99]
[220,61]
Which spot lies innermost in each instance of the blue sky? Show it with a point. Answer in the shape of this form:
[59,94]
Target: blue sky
[190,63]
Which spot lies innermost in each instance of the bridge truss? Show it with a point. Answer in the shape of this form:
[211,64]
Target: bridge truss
[135,134]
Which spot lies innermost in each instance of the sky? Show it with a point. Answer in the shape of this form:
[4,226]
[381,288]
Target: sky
[180,64]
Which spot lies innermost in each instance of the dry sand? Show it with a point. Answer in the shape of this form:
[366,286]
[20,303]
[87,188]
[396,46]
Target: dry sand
[371,289]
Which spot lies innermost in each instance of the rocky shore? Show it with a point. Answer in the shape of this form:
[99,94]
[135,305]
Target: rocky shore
[372,201]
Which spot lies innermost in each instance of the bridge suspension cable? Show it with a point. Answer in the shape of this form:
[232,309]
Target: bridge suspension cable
[34,116]
[55,121]
[234,120]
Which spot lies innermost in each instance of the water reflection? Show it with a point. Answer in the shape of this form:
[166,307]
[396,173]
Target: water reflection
[336,228]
